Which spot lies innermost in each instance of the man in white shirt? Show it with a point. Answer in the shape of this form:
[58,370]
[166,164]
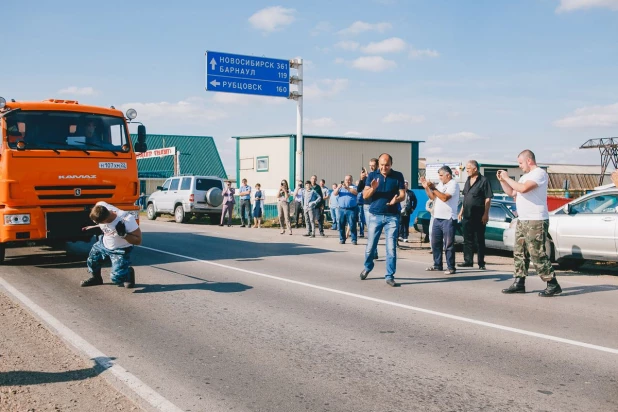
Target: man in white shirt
[446,198]
[533,222]
[120,233]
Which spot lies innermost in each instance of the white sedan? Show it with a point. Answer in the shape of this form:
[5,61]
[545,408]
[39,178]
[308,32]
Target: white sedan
[584,229]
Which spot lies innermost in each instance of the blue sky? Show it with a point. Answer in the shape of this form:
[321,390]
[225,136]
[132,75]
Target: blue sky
[483,79]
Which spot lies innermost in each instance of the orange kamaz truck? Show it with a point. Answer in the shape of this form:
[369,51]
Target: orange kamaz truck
[57,159]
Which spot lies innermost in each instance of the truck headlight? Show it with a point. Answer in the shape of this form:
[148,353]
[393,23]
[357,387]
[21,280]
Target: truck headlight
[17,219]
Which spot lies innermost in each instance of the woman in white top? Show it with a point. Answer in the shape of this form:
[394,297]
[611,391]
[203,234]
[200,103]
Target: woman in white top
[283,206]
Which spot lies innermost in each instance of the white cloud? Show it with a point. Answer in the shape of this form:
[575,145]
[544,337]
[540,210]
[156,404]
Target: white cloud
[373,63]
[591,116]
[352,133]
[339,60]
[325,88]
[403,117]
[455,137]
[244,99]
[432,150]
[360,26]
[321,27]
[193,110]
[419,54]
[347,45]
[571,5]
[321,122]
[392,45]
[78,91]
[272,19]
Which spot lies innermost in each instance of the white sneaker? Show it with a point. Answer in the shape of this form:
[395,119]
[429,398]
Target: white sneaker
[406,240]
[401,239]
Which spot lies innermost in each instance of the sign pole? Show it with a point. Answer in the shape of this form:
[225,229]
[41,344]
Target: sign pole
[298,96]
[299,124]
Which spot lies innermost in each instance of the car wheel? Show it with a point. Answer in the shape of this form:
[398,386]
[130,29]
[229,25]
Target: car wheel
[180,216]
[151,213]
[215,218]
[570,264]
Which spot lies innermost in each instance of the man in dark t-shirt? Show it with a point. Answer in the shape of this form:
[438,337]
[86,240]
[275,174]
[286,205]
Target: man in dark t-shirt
[474,214]
[385,187]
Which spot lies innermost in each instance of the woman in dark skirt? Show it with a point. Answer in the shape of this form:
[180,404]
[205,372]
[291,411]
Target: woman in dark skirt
[258,202]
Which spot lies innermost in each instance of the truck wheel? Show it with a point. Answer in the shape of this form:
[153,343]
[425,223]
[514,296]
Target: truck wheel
[180,216]
[151,212]
[2,253]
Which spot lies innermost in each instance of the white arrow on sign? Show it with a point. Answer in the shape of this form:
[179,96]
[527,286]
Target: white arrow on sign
[215,83]
[213,63]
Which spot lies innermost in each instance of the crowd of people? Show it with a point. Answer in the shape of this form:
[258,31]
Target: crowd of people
[379,201]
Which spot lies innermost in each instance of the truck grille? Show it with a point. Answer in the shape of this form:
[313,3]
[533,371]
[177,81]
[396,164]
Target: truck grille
[66,192]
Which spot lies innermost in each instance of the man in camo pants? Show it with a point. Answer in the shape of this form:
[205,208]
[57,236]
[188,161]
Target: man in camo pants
[531,232]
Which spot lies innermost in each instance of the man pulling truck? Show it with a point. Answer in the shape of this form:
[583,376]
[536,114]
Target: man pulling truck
[120,233]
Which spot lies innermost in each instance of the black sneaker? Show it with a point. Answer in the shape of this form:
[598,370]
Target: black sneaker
[364,274]
[242,225]
[307,234]
[92,281]
[391,282]
[354,242]
[465,265]
[131,283]
[482,267]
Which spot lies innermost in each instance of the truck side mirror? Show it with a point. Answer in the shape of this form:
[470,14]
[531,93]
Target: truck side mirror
[140,146]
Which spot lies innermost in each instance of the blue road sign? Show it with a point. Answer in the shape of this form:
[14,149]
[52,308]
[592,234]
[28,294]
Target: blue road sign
[247,86]
[236,73]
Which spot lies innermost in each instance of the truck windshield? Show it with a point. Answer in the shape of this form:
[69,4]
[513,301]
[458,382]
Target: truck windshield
[47,130]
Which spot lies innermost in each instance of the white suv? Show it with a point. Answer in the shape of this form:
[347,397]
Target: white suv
[185,196]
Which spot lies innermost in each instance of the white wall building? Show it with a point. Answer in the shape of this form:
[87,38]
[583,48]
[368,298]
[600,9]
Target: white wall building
[269,159]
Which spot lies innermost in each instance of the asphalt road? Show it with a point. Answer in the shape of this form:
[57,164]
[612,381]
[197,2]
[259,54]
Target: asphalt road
[250,320]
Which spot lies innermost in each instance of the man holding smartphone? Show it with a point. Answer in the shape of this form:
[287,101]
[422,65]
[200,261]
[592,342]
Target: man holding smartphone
[373,166]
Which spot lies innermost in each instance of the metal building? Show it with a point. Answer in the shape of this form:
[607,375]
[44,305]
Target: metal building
[269,159]
[192,155]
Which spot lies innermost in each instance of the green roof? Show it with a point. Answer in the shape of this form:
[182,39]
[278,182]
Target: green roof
[313,136]
[198,156]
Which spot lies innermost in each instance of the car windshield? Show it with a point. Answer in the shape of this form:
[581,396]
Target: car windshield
[53,130]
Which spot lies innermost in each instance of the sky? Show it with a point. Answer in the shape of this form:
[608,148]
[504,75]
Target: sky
[477,80]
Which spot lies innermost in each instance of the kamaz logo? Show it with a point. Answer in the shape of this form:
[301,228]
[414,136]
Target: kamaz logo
[77,177]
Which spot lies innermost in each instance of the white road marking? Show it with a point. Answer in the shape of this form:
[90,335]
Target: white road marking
[399,305]
[134,383]
[428,262]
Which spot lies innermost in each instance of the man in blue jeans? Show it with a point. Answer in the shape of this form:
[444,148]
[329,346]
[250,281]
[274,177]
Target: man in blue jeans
[348,209]
[373,166]
[385,187]
[446,197]
[120,233]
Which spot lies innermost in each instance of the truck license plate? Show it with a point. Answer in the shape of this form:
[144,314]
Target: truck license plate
[112,165]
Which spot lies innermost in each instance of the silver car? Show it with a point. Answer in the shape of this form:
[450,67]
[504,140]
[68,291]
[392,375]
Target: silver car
[184,196]
[584,229]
